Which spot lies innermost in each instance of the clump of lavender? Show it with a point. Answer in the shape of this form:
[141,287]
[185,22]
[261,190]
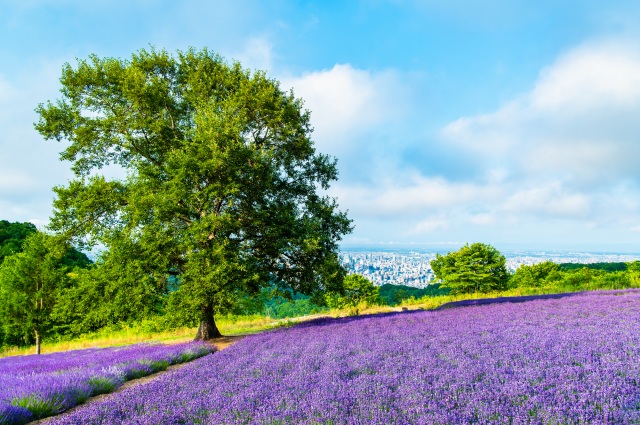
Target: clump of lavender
[567,361]
[14,415]
[34,387]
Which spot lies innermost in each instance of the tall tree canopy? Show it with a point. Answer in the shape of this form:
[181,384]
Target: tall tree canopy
[222,179]
[474,268]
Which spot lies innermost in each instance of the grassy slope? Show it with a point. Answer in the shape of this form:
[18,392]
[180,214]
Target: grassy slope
[136,334]
[240,325]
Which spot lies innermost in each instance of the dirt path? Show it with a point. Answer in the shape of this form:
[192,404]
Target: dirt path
[218,343]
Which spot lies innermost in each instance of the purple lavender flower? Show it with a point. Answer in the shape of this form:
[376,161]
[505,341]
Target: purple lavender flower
[566,361]
[10,415]
[33,387]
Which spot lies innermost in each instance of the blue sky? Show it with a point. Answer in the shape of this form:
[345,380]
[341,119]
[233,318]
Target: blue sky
[506,122]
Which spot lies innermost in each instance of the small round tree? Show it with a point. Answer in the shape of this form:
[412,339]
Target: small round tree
[474,268]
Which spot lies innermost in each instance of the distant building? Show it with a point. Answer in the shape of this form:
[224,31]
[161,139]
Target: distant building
[414,268]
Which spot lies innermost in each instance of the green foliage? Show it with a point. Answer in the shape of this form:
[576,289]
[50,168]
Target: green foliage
[117,289]
[157,365]
[137,372]
[634,266]
[576,277]
[29,284]
[189,355]
[12,236]
[42,407]
[474,268]
[75,259]
[534,275]
[357,289]
[101,385]
[32,258]
[281,308]
[609,267]
[396,294]
[222,177]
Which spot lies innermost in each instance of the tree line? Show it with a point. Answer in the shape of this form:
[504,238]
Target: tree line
[481,268]
[50,289]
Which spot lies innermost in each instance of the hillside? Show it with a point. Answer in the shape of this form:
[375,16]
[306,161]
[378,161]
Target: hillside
[544,361]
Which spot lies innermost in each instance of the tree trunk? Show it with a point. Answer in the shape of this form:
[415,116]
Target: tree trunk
[37,341]
[207,329]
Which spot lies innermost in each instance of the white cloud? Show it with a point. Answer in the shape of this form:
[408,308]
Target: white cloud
[561,156]
[590,77]
[483,219]
[8,93]
[578,123]
[551,201]
[416,198]
[15,181]
[346,102]
[564,152]
[257,54]
[428,226]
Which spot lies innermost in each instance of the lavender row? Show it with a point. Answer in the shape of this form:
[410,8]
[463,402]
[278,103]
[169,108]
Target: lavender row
[81,359]
[569,361]
[33,387]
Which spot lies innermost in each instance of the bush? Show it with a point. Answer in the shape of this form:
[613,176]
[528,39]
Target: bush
[357,289]
[533,276]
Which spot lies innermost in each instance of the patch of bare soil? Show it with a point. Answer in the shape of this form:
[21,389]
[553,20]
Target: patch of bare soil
[219,343]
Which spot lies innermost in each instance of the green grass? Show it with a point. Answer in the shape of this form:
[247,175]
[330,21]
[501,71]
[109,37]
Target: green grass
[43,408]
[109,337]
[101,385]
[429,303]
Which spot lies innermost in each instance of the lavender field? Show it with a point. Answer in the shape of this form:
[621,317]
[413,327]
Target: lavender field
[574,360]
[33,387]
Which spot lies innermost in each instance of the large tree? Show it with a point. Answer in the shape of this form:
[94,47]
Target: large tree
[223,184]
[473,268]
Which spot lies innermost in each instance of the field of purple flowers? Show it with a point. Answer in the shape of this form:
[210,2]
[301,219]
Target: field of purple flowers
[566,361]
[33,387]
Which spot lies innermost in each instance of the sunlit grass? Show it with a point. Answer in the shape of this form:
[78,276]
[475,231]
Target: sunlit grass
[106,339]
[228,325]
[433,302]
